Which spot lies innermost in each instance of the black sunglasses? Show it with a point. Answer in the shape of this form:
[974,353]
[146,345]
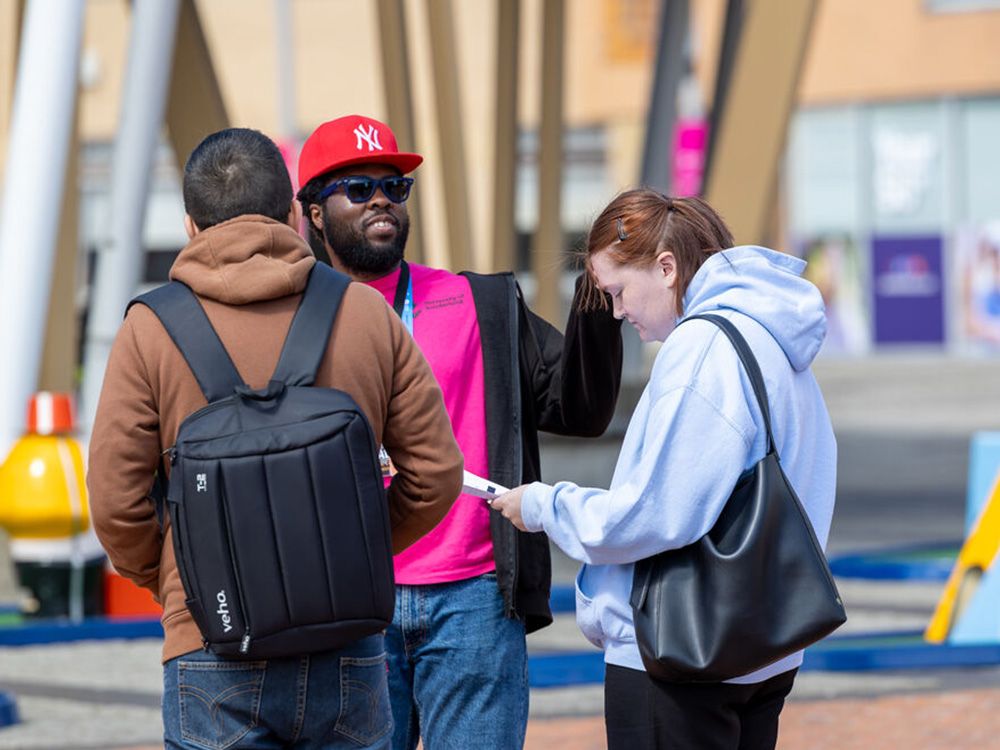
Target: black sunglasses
[361,188]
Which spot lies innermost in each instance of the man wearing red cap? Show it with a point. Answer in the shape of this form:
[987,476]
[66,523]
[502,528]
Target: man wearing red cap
[468,592]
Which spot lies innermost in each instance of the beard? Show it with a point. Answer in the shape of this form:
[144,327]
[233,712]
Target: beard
[357,253]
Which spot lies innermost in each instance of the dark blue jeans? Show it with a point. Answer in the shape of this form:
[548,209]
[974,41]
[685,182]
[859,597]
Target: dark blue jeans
[332,700]
[458,669]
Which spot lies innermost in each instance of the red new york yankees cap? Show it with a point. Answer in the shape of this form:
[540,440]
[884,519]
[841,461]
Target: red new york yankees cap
[353,139]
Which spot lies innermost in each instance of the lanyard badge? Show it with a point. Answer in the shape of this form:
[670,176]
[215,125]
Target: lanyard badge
[403,302]
[403,305]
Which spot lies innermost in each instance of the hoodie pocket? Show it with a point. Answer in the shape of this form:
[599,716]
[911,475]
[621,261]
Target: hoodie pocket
[587,616]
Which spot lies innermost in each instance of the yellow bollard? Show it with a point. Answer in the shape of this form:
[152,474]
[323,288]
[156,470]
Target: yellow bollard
[43,506]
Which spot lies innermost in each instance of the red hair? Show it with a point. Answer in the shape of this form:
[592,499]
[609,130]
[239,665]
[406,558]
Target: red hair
[640,224]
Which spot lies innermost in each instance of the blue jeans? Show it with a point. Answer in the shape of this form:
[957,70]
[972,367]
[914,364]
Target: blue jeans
[335,699]
[458,669]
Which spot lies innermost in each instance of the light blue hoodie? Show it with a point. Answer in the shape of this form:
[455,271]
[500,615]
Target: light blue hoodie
[696,428]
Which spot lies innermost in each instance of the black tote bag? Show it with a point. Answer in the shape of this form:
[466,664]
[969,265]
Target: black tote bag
[753,590]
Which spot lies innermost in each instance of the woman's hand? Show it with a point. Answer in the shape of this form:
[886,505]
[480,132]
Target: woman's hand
[509,504]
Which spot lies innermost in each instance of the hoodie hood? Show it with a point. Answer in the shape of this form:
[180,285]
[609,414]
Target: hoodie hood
[768,287]
[243,260]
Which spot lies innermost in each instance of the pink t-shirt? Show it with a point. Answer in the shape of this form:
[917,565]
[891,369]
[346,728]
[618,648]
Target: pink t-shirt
[446,329]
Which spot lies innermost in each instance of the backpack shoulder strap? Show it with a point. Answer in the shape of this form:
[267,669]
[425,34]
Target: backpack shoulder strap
[188,326]
[309,334]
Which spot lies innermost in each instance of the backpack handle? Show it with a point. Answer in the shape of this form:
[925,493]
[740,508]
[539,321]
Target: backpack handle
[268,393]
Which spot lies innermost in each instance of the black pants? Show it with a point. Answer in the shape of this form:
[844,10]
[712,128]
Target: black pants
[644,714]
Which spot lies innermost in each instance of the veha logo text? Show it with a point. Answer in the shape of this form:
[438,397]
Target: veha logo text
[223,611]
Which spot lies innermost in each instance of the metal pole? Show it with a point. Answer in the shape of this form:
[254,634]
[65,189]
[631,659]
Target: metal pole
[732,30]
[394,49]
[119,263]
[504,250]
[547,255]
[662,116]
[284,46]
[11,14]
[41,127]
[451,143]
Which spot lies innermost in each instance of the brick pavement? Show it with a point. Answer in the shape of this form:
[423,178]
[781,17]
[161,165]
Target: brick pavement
[955,720]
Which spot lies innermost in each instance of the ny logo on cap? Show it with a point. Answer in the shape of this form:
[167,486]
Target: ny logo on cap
[370,137]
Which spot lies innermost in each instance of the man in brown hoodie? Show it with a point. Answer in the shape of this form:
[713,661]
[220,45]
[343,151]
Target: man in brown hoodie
[248,267]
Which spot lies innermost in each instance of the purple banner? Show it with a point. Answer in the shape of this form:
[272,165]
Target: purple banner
[907,285]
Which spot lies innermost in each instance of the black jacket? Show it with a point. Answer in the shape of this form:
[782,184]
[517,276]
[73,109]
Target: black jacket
[537,379]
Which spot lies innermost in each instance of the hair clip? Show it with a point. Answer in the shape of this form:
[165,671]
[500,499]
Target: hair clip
[670,204]
[622,236]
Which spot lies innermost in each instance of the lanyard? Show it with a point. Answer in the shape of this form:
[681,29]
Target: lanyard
[403,303]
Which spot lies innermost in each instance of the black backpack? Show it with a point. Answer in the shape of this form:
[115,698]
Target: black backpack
[276,498]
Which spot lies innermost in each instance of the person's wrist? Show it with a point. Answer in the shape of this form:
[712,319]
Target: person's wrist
[531,505]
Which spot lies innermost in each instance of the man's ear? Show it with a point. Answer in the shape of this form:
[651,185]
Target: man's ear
[294,219]
[668,266]
[316,216]
[190,227]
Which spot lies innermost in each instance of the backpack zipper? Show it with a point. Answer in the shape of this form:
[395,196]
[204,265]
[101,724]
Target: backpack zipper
[237,579]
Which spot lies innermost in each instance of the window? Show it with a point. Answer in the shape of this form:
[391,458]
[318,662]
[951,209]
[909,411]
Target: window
[960,6]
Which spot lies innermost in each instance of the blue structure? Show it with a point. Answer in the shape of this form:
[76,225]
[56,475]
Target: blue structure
[853,653]
[924,563]
[984,461]
[850,653]
[8,710]
[41,632]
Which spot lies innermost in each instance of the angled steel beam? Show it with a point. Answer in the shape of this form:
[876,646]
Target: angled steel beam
[11,13]
[749,137]
[60,350]
[195,107]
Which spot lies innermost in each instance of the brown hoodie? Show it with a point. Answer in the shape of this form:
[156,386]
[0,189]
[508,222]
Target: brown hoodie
[249,274]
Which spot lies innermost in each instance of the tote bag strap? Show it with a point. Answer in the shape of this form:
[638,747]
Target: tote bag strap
[749,364]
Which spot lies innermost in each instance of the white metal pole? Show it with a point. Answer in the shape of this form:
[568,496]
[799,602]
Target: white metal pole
[119,263]
[41,126]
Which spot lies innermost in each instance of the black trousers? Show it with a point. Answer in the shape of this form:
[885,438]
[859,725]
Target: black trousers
[644,714]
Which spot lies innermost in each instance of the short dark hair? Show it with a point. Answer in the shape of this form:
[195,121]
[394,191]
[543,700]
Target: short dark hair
[308,196]
[234,172]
